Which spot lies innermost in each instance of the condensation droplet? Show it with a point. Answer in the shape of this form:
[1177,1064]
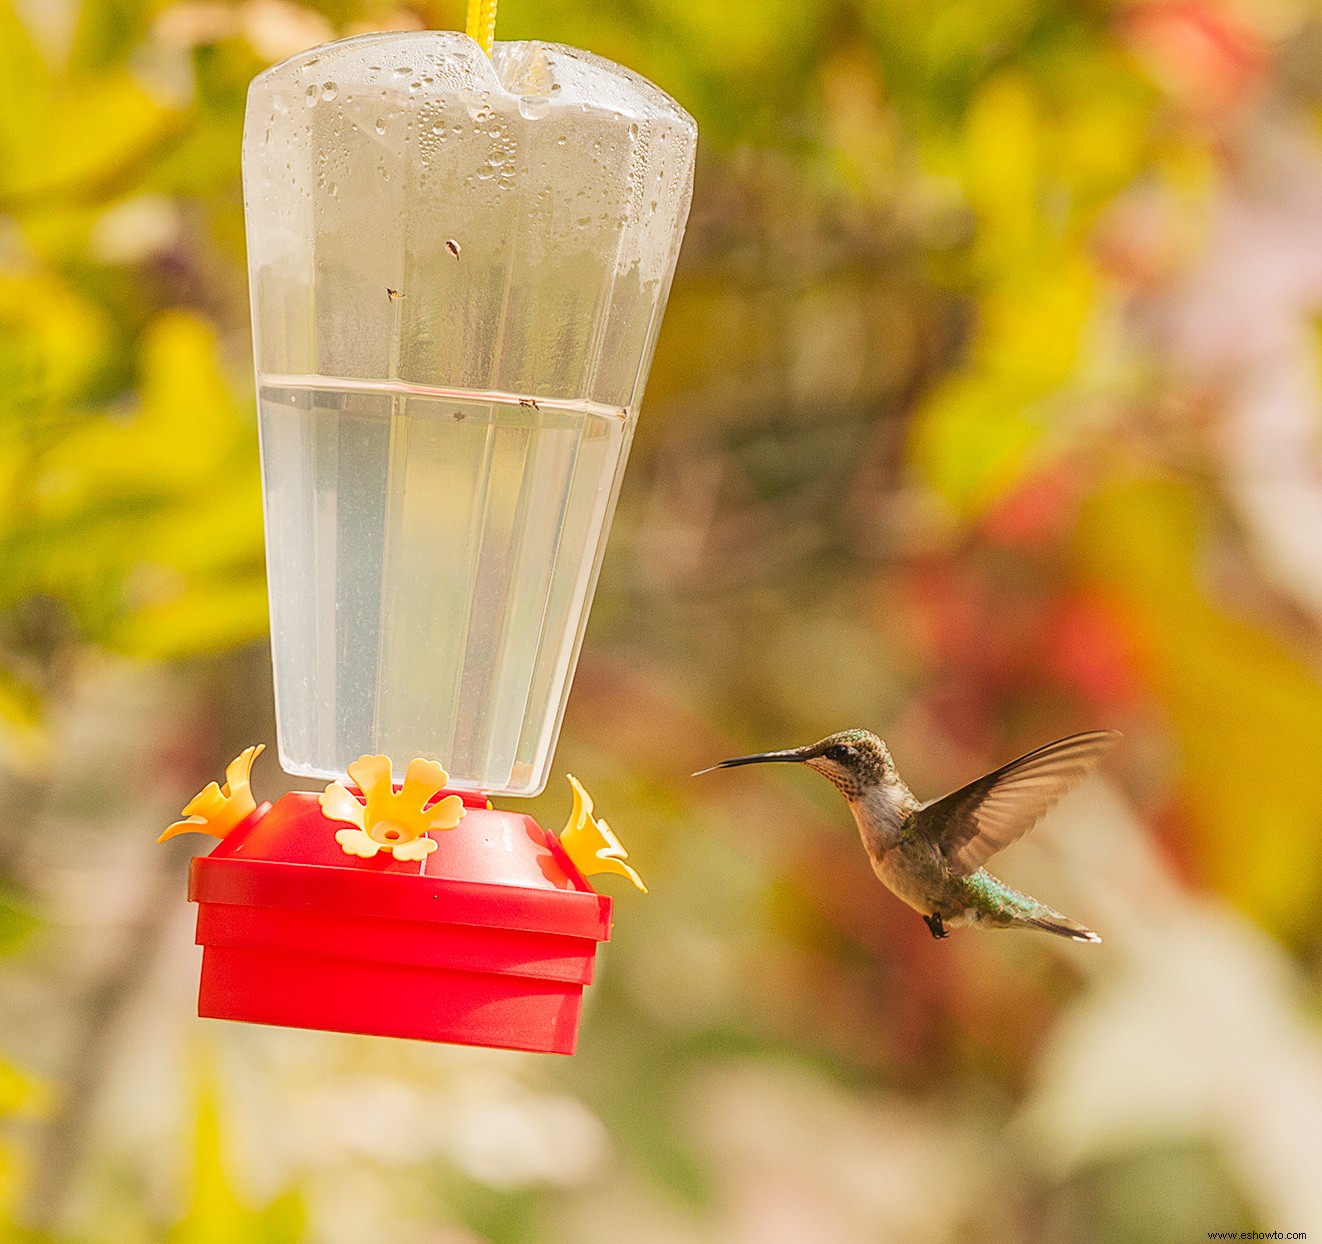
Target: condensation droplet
[380,125]
[329,91]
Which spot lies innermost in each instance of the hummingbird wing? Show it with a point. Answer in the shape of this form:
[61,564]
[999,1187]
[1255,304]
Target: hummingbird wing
[971,824]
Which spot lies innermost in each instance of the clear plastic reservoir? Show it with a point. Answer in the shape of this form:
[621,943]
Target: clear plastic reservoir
[458,270]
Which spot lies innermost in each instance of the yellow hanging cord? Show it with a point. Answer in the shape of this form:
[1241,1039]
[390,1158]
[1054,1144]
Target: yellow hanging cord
[482,23]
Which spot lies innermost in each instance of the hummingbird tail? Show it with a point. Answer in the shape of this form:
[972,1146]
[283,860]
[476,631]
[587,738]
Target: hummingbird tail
[1062,926]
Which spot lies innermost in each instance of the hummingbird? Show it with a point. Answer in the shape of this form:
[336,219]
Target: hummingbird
[931,855]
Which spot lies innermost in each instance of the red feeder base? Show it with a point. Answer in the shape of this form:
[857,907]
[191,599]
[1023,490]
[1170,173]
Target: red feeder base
[488,941]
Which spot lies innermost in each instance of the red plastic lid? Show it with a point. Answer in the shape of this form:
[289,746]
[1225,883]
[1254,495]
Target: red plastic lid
[496,869]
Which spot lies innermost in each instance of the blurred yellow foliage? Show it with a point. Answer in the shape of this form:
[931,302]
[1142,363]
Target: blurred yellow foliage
[53,340]
[1245,708]
[935,443]
[216,1211]
[1003,169]
[69,136]
[165,499]
[976,433]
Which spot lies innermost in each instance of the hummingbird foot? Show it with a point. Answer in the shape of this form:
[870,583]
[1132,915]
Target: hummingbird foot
[934,924]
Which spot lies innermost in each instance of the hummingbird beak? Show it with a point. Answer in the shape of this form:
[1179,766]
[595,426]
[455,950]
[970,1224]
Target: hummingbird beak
[788,757]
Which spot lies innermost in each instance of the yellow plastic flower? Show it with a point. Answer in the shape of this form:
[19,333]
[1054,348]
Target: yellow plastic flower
[392,821]
[591,843]
[216,810]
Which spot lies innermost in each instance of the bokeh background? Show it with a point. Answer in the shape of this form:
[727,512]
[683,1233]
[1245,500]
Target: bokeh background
[987,409]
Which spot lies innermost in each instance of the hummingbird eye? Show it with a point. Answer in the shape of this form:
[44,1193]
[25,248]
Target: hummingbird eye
[837,751]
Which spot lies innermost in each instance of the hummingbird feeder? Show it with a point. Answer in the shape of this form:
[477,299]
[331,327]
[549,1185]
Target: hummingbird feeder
[459,256]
